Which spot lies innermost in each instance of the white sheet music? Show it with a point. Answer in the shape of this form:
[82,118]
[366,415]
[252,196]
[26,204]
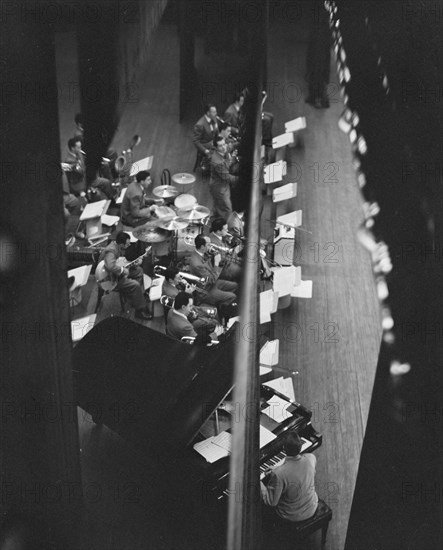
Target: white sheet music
[303,290]
[282,140]
[81,274]
[209,451]
[283,386]
[276,409]
[292,218]
[275,171]
[268,305]
[296,124]
[121,197]
[94,210]
[223,440]
[142,164]
[80,327]
[109,220]
[266,436]
[269,353]
[285,192]
[285,279]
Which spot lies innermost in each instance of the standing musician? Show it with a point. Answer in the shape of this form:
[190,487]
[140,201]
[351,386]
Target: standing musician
[173,285]
[205,130]
[234,114]
[217,291]
[129,282]
[136,208]
[222,179]
[225,257]
[236,226]
[75,167]
[231,143]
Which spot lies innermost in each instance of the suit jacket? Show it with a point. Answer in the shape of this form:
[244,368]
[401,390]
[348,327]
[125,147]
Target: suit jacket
[234,118]
[235,225]
[76,175]
[203,136]
[133,209]
[203,268]
[169,290]
[110,254]
[220,171]
[178,326]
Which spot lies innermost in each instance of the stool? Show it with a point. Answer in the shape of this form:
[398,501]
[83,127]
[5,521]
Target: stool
[297,531]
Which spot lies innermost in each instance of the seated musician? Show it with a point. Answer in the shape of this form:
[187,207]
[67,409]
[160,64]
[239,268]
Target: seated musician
[135,208]
[289,487]
[129,282]
[236,226]
[173,285]
[178,324]
[218,292]
[225,257]
[231,143]
[75,168]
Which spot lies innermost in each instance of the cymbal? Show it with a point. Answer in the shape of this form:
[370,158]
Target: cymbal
[165,191]
[183,178]
[149,234]
[197,212]
[173,224]
[164,212]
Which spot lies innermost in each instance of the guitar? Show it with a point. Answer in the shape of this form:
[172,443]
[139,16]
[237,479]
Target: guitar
[108,281]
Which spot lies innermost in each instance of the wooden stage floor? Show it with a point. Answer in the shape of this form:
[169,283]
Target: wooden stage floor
[331,340]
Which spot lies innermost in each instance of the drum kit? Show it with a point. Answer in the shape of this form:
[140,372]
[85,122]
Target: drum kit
[172,219]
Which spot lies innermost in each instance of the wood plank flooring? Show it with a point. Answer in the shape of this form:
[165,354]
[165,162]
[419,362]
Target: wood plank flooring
[331,340]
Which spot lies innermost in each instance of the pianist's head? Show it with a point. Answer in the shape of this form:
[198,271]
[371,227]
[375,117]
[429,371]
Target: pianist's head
[293,444]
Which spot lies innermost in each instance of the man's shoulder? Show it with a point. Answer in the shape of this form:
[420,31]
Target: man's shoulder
[231,109]
[201,121]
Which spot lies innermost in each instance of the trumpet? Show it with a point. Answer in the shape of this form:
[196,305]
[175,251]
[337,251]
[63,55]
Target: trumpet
[191,279]
[218,249]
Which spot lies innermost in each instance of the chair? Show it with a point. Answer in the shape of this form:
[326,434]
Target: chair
[290,533]
[101,293]
[165,178]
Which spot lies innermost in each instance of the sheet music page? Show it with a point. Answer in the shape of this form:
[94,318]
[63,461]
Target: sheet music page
[80,327]
[223,440]
[81,274]
[276,409]
[292,218]
[283,280]
[303,290]
[296,124]
[283,386]
[269,353]
[282,140]
[209,451]
[109,220]
[266,436]
[121,197]
[93,210]
[266,303]
[142,164]
[285,192]
[274,172]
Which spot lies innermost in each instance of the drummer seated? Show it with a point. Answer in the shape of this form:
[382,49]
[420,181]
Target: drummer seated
[173,285]
[226,258]
[136,208]
[178,324]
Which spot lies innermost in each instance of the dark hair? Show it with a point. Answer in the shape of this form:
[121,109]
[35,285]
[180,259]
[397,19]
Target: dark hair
[182,299]
[293,444]
[217,224]
[217,139]
[121,237]
[223,126]
[199,241]
[72,141]
[208,106]
[170,273]
[238,96]
[78,119]
[142,175]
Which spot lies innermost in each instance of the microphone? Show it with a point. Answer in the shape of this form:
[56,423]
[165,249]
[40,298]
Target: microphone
[219,119]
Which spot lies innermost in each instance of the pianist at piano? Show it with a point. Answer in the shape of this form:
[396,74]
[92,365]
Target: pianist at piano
[289,487]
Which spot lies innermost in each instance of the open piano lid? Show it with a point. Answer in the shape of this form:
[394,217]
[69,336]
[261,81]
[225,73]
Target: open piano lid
[148,387]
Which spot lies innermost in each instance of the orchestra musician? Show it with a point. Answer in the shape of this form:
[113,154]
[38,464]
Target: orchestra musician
[129,282]
[236,226]
[226,258]
[225,131]
[205,130]
[218,292]
[289,486]
[222,179]
[136,208]
[172,285]
[178,324]
[75,167]
[234,114]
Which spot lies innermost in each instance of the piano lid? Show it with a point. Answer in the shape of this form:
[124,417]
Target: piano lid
[147,386]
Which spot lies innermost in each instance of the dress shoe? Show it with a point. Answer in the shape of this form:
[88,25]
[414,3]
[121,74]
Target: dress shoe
[143,314]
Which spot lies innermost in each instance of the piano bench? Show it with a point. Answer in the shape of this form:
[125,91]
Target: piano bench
[295,532]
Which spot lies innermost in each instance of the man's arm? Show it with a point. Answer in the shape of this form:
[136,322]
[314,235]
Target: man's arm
[196,138]
[203,270]
[222,171]
[111,266]
[137,208]
[271,492]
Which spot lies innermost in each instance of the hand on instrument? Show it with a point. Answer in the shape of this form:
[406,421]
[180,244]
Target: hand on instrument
[125,272]
[190,288]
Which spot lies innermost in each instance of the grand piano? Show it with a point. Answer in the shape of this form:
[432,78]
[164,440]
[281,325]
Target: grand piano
[167,396]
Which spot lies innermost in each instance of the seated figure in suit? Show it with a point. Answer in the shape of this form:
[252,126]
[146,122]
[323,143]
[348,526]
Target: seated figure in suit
[178,324]
[173,285]
[225,257]
[217,291]
[136,208]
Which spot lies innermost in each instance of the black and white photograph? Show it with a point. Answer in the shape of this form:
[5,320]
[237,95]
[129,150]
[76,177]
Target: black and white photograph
[221,277]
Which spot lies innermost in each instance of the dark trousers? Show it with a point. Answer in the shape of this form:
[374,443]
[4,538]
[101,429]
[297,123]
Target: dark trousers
[132,288]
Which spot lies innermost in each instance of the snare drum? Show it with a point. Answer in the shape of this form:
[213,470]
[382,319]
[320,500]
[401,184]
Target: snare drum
[185,201]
